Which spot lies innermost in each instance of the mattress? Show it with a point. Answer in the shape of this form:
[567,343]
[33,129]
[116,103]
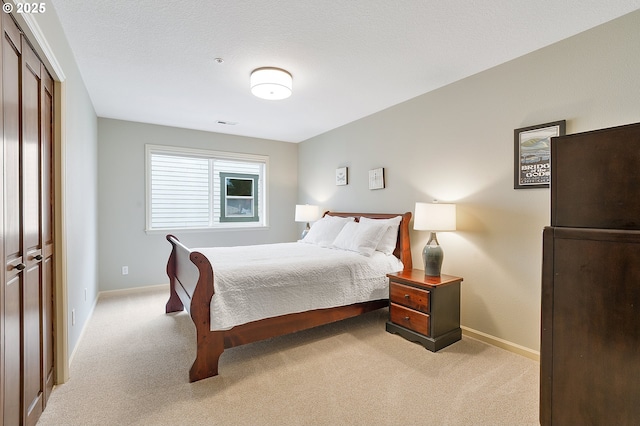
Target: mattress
[262,281]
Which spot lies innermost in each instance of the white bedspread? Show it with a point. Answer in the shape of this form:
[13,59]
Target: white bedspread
[262,281]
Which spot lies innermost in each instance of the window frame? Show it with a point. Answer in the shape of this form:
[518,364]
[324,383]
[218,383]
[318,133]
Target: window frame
[262,206]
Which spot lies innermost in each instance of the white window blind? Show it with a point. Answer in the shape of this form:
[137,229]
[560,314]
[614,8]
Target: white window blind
[179,191]
[183,187]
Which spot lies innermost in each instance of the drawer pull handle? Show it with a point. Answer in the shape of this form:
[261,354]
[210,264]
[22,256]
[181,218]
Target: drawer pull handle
[407,318]
[406,296]
[20,266]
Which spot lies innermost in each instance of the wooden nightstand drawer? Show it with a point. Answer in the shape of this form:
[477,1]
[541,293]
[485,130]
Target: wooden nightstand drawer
[411,297]
[410,319]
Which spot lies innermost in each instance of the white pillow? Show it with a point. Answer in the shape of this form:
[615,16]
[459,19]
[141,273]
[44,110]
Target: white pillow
[325,230]
[360,237]
[388,241]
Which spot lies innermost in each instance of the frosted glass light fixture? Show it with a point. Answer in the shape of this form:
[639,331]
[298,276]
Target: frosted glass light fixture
[434,217]
[271,83]
[306,213]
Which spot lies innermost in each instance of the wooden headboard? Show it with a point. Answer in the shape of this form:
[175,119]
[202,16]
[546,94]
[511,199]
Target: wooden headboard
[403,244]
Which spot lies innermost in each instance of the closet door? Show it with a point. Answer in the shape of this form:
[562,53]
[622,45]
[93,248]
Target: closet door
[2,282]
[48,296]
[27,295]
[13,261]
[31,236]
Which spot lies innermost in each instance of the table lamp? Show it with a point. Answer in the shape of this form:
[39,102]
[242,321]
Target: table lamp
[306,213]
[434,217]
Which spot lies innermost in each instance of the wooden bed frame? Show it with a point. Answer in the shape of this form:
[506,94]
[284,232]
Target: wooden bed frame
[191,288]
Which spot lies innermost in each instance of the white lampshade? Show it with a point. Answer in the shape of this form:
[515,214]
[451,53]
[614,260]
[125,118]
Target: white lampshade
[306,213]
[435,217]
[271,83]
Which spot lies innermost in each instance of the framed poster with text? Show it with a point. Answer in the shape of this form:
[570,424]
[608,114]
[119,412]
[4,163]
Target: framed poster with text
[532,154]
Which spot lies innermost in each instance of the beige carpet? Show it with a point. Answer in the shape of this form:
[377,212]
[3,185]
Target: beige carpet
[131,367]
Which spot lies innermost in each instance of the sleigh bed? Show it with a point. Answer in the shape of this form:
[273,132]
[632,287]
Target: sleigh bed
[191,277]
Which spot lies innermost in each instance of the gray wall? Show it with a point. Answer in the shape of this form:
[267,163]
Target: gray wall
[456,144]
[121,189]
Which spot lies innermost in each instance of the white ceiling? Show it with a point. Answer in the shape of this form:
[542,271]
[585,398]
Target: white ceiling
[153,61]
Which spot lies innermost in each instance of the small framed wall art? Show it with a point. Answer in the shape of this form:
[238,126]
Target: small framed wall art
[376,178]
[532,154]
[342,176]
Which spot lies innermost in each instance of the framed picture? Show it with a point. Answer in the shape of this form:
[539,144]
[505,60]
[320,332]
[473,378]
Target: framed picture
[376,178]
[532,154]
[342,176]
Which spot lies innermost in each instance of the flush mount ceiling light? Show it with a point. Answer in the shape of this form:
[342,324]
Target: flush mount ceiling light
[271,83]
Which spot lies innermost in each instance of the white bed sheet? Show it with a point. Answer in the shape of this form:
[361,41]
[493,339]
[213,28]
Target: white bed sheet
[262,281]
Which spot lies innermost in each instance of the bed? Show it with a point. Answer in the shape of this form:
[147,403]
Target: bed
[191,278]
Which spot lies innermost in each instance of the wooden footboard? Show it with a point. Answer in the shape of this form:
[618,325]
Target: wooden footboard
[191,288]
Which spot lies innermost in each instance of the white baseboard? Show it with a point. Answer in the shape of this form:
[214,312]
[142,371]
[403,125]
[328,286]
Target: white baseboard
[501,343]
[110,293]
[84,328]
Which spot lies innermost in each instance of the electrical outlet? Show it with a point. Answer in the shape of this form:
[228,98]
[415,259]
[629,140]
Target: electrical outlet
[73,317]
[125,270]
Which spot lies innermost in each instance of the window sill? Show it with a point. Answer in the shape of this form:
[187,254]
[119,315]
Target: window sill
[201,230]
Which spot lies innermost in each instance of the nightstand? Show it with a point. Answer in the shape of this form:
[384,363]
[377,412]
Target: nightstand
[425,309]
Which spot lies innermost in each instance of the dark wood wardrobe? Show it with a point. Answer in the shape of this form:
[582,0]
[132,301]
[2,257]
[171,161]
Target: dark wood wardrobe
[590,347]
[26,246]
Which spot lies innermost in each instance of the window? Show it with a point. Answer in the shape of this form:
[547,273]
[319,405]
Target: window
[239,200]
[199,189]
